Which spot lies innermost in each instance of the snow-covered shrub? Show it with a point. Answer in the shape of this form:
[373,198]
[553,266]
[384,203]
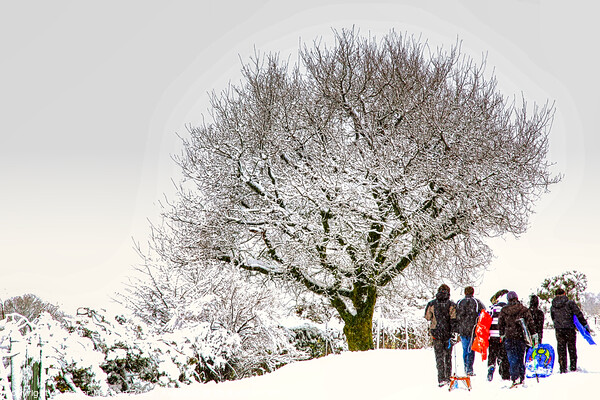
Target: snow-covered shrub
[137,357]
[221,297]
[69,362]
[129,370]
[209,353]
[99,356]
[317,341]
[317,329]
[73,355]
[217,353]
[87,354]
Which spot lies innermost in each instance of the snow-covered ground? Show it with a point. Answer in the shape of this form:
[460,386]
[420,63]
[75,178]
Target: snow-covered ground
[382,375]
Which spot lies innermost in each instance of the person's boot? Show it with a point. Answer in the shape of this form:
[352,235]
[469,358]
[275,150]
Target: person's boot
[490,374]
[563,369]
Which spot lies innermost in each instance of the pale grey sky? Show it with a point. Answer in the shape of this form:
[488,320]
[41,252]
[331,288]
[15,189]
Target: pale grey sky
[92,95]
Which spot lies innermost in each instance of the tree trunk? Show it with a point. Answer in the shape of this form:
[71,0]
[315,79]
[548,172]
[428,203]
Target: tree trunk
[358,328]
[359,332]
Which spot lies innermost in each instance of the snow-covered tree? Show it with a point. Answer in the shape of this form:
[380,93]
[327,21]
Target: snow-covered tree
[574,283]
[366,160]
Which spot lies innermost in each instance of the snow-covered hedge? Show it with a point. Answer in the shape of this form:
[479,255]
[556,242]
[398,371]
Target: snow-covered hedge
[99,356]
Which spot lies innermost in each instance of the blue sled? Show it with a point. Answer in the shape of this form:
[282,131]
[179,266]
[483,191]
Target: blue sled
[586,335]
[539,361]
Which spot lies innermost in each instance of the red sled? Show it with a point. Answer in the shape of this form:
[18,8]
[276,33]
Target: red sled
[482,334]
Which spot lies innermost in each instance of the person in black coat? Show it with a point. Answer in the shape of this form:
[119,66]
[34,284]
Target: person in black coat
[467,314]
[537,315]
[562,311]
[511,330]
[441,314]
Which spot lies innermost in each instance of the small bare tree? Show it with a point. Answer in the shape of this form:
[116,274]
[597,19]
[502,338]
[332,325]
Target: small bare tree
[31,307]
[366,158]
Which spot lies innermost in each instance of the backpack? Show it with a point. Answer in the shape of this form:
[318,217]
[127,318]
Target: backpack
[443,326]
[467,312]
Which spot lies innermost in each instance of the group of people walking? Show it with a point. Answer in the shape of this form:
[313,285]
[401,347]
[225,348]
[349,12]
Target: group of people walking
[452,322]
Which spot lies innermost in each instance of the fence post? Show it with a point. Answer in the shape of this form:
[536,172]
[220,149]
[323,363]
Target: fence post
[16,365]
[26,371]
[406,331]
[34,384]
[4,384]
[326,336]
[42,395]
[378,315]
[32,381]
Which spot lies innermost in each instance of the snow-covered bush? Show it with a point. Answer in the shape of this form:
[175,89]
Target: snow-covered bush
[99,356]
[137,358]
[317,329]
[209,353]
[319,342]
[221,297]
[207,338]
[68,361]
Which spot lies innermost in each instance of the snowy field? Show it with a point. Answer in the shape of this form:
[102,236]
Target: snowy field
[383,375]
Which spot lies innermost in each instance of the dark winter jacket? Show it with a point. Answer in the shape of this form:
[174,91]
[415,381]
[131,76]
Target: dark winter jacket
[441,314]
[562,311]
[467,313]
[538,318]
[508,321]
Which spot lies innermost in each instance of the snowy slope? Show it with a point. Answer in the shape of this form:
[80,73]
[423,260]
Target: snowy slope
[382,375]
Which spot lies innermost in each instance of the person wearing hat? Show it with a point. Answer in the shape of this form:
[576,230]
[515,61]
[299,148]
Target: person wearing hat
[511,330]
[467,313]
[441,314]
[562,311]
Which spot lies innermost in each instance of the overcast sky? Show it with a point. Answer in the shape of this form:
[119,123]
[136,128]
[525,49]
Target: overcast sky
[94,94]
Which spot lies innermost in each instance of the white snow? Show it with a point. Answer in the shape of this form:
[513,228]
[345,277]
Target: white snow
[382,375]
